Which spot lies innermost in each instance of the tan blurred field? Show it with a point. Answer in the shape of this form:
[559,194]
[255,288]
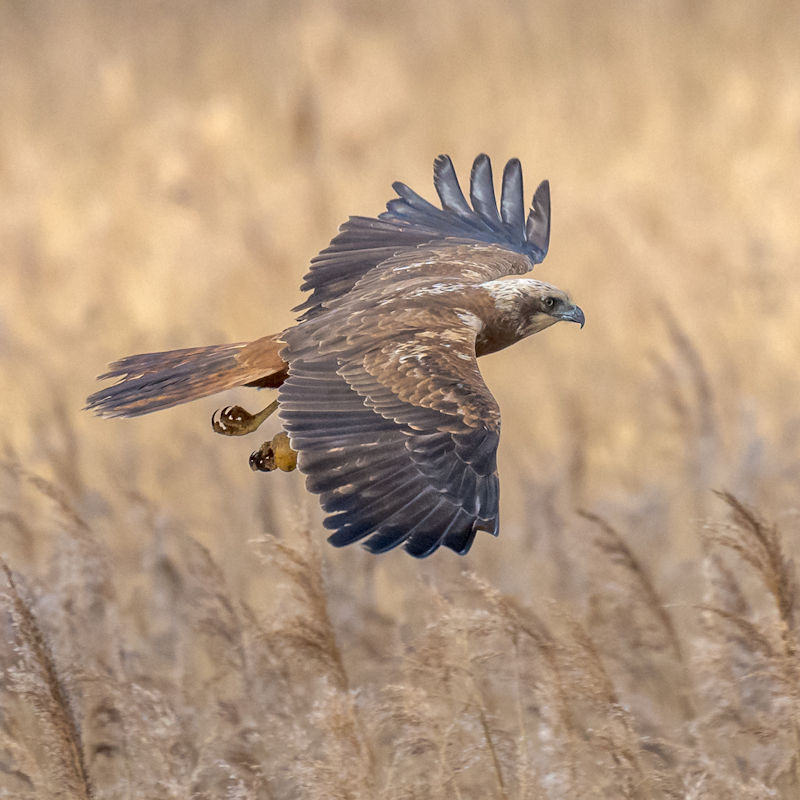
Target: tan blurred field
[167,170]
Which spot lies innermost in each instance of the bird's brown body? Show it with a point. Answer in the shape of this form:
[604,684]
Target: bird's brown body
[379,388]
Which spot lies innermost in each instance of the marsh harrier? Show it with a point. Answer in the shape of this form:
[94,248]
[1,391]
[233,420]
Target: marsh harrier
[378,383]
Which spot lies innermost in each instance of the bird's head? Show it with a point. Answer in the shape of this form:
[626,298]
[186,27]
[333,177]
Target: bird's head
[547,305]
[531,306]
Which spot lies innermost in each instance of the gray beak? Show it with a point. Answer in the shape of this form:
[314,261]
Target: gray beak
[573,314]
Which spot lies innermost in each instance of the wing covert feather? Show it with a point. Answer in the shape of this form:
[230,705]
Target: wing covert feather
[399,439]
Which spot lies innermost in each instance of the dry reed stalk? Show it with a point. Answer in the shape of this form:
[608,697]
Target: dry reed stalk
[611,542]
[38,679]
[306,636]
[775,663]
[638,591]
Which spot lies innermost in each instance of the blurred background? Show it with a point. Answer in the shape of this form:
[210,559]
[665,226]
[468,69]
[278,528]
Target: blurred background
[167,170]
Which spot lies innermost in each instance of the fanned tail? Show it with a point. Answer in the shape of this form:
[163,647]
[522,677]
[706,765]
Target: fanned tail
[154,381]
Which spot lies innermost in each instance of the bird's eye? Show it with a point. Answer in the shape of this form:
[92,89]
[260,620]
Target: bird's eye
[549,302]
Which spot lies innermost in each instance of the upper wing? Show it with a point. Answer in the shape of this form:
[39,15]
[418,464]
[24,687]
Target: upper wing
[396,430]
[410,221]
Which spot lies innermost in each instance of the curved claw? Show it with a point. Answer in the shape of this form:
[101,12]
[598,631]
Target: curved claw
[275,454]
[263,459]
[236,421]
[230,420]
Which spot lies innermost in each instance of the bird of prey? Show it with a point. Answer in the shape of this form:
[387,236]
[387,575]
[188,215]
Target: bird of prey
[379,391]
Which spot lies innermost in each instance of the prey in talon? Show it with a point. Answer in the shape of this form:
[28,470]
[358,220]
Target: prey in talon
[380,395]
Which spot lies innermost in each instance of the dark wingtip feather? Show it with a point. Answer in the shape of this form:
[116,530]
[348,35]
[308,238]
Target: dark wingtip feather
[448,187]
[461,542]
[378,544]
[412,198]
[537,228]
[421,552]
[512,200]
[481,190]
[410,221]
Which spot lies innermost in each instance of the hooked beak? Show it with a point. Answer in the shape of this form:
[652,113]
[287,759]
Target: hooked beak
[573,314]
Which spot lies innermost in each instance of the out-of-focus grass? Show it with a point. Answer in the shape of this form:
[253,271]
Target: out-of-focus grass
[167,171]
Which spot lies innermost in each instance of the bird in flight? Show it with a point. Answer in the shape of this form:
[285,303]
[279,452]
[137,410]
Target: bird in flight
[384,407]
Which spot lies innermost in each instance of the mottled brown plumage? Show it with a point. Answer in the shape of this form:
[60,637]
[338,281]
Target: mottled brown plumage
[380,389]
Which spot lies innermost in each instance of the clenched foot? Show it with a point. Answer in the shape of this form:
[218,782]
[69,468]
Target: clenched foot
[235,421]
[275,454]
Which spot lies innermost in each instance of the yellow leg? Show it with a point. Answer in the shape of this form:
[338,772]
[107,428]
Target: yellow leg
[275,454]
[235,421]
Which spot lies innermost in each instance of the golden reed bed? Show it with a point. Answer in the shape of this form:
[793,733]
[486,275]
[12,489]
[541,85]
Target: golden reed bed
[175,625]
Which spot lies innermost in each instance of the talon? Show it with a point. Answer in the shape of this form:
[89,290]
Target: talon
[229,420]
[263,459]
[236,421]
[275,454]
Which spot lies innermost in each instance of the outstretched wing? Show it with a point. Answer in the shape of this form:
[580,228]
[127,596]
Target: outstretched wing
[409,221]
[395,428]
[484,240]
